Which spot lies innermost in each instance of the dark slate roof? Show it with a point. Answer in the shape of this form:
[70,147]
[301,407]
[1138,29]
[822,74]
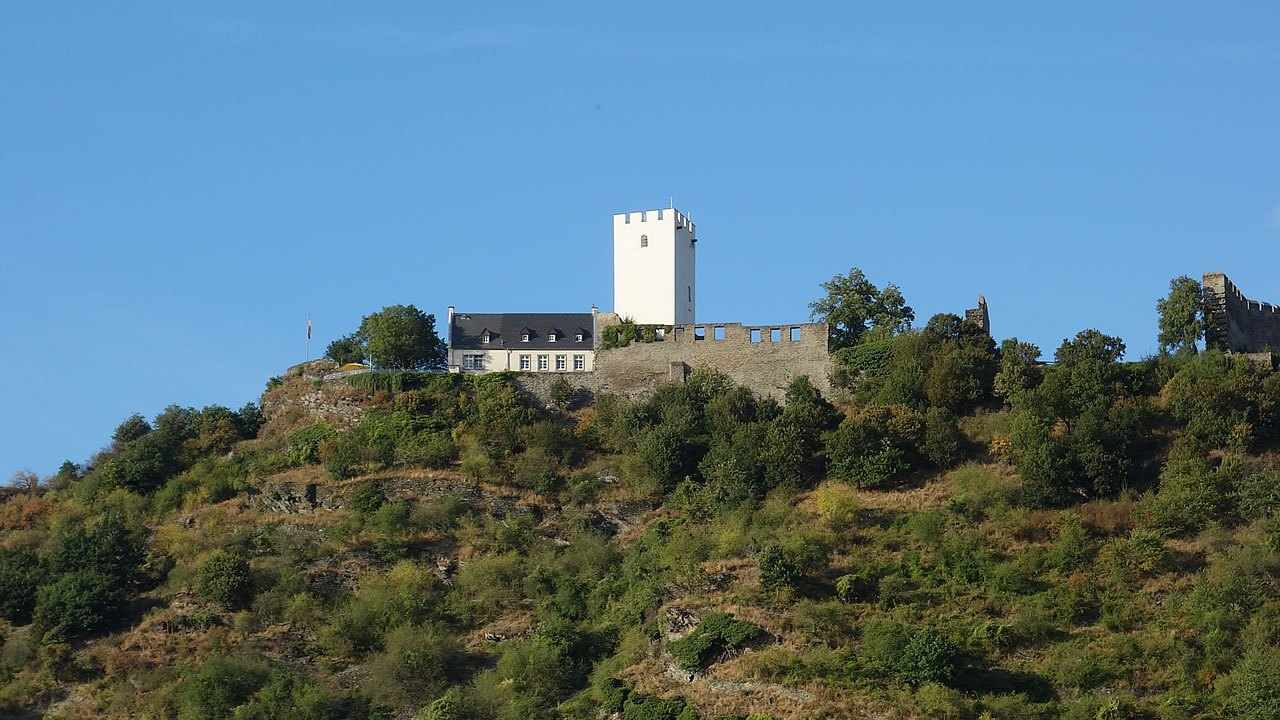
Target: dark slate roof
[505,330]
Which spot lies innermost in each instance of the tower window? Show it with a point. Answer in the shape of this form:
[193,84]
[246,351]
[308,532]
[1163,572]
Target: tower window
[644,241]
[690,293]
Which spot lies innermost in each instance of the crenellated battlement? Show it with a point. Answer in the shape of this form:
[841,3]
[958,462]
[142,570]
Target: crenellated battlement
[1233,321]
[663,215]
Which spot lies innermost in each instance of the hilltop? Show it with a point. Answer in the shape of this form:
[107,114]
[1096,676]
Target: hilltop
[955,530]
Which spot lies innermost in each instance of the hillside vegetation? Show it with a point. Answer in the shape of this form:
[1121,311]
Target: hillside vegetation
[964,533]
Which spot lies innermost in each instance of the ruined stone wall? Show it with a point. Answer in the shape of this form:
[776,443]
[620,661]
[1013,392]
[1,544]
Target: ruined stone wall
[979,315]
[1234,322]
[765,358]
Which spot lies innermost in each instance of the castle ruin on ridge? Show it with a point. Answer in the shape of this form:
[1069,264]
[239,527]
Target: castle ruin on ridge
[1235,323]
[655,300]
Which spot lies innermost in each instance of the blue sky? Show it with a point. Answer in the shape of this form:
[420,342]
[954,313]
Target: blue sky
[181,183]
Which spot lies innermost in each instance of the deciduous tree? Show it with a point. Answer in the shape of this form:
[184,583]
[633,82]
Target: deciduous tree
[853,305]
[1181,316]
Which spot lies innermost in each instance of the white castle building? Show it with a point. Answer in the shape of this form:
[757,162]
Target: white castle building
[654,283]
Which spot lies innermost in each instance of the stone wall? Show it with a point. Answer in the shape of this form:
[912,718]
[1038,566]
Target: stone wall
[979,315]
[1234,322]
[765,358]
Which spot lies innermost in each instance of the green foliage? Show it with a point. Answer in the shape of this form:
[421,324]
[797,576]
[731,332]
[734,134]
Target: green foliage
[870,358]
[111,547]
[561,394]
[225,579]
[1253,691]
[715,633]
[1020,369]
[418,661]
[862,454]
[852,305]
[133,427]
[218,686]
[366,498]
[79,601]
[349,349]
[20,574]
[402,337]
[304,443]
[943,441]
[1089,345]
[1181,316]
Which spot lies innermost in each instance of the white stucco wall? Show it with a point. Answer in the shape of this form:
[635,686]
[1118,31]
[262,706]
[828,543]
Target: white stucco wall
[509,358]
[655,284]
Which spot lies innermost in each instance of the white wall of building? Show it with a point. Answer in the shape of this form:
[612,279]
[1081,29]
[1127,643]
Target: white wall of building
[499,359]
[654,282]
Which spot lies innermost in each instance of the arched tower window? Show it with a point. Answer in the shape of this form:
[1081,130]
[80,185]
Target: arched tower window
[644,241]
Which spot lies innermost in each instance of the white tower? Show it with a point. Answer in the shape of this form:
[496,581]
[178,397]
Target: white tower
[653,267]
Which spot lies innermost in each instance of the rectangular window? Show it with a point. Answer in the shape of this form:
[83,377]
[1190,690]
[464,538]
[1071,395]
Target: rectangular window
[562,363]
[524,337]
[690,288]
[577,338]
[755,336]
[524,362]
[551,337]
[718,332]
[579,362]
[472,362]
[660,333]
[795,334]
[699,333]
[485,338]
[542,362]
[775,335]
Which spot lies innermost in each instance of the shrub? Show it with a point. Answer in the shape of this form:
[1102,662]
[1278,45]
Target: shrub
[218,686]
[716,632]
[884,640]
[78,602]
[303,443]
[862,454]
[1254,689]
[225,579]
[929,656]
[366,498]
[417,662]
[837,506]
[20,574]
[942,438]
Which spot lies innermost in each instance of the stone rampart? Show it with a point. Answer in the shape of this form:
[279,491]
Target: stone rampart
[1234,322]
[764,358]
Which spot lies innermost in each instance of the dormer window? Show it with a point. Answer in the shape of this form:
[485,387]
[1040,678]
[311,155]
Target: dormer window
[485,338]
[524,337]
[577,338]
[551,336]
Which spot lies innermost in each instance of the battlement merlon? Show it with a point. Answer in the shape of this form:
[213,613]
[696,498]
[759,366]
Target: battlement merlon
[669,216]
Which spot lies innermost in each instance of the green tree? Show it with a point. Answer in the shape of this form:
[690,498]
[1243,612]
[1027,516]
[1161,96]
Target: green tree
[133,427]
[349,349]
[225,579]
[853,305]
[78,602]
[402,336]
[1181,316]
[1019,368]
[20,574]
[1089,345]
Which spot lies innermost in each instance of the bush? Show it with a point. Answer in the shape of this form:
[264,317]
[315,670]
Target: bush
[366,498]
[862,454]
[218,686]
[929,656]
[418,662]
[304,443]
[225,579]
[942,438]
[78,602]
[716,632]
[837,506]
